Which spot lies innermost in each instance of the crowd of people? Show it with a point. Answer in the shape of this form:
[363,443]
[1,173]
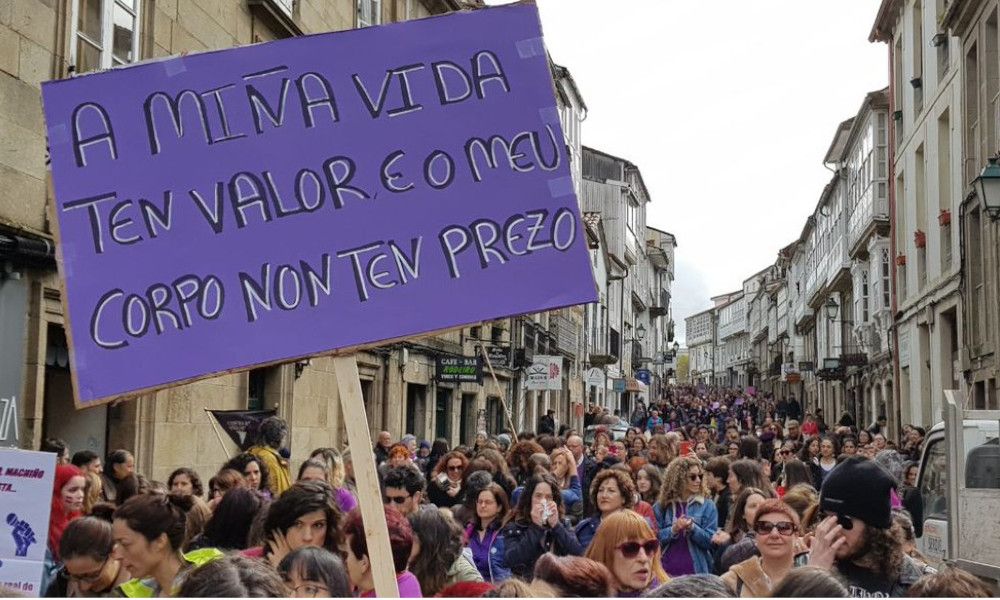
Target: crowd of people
[706,493]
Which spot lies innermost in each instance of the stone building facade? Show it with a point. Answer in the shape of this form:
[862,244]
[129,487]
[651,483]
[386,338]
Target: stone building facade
[973,23]
[925,98]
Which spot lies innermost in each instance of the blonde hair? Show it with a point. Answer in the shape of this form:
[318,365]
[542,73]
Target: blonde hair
[92,491]
[334,464]
[570,464]
[620,527]
[675,481]
[515,588]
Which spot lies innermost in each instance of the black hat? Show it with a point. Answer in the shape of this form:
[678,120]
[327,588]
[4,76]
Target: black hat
[859,488]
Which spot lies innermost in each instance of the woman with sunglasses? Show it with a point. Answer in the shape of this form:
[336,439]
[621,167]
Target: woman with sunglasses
[90,568]
[627,545]
[736,544]
[445,489]
[687,519]
[775,525]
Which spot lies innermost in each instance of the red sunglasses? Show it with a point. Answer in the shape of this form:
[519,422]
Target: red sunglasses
[631,549]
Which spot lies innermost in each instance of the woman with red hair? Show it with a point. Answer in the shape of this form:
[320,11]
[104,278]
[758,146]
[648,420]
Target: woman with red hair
[444,489]
[67,503]
[629,547]
[776,525]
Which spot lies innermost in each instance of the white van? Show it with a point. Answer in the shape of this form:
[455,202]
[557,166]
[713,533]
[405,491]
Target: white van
[979,531]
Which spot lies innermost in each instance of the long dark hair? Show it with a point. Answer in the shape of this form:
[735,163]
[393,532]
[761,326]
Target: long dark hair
[239,464]
[737,520]
[232,519]
[750,474]
[795,472]
[522,513]
[302,498]
[440,545]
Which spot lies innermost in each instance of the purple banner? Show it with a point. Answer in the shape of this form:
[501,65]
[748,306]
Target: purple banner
[259,204]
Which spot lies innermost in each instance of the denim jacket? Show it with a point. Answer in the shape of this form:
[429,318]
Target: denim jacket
[705,516]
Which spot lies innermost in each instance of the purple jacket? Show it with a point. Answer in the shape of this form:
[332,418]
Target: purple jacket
[408,585]
[345,500]
[487,553]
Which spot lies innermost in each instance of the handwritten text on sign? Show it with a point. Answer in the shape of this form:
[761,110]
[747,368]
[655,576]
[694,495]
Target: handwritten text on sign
[262,203]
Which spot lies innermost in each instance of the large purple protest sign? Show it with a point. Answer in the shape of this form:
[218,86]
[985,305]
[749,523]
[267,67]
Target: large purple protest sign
[311,195]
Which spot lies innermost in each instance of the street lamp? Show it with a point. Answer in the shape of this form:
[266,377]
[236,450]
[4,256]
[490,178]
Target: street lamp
[832,308]
[988,188]
[640,332]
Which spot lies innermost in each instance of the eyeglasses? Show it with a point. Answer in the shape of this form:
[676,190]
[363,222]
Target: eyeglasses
[766,527]
[311,590]
[694,476]
[842,519]
[89,577]
[631,549]
[455,468]
[395,499]
[786,452]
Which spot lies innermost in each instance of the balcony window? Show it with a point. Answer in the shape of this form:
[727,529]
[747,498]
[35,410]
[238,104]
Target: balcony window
[369,12]
[105,34]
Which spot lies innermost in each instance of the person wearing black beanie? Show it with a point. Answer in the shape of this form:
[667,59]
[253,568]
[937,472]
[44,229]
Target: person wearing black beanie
[855,537]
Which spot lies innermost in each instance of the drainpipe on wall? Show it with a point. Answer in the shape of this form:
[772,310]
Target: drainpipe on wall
[893,285]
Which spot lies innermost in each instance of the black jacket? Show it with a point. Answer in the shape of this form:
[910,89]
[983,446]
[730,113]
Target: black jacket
[590,470]
[547,424]
[794,410]
[381,454]
[438,495]
[524,544]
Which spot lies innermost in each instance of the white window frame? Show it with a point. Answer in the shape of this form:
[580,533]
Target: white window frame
[375,7]
[106,44]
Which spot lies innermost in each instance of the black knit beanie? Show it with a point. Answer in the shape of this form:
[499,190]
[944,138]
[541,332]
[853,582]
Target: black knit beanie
[859,488]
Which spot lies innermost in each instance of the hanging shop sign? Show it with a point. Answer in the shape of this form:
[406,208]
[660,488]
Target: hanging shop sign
[459,369]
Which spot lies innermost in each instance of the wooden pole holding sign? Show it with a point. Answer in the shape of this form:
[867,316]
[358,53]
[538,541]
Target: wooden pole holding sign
[369,492]
[211,419]
[503,402]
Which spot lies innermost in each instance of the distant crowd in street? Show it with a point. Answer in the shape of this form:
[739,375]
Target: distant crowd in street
[703,493]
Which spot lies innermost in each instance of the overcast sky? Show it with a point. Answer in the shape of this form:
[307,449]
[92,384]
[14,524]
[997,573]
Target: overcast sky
[727,107]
